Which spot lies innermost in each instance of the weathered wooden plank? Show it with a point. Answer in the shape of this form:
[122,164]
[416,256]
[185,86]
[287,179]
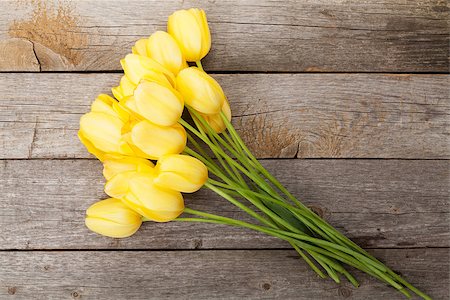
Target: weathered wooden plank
[388,203]
[279,115]
[264,274]
[247,35]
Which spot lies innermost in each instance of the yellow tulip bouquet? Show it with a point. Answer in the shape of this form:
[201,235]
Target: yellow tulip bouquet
[142,140]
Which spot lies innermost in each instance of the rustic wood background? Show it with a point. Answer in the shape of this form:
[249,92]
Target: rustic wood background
[346,102]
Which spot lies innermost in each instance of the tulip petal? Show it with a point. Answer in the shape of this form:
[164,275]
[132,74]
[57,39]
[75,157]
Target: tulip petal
[109,228]
[160,105]
[118,185]
[125,89]
[200,91]
[103,103]
[160,205]
[102,130]
[140,47]
[137,66]
[156,141]
[163,48]
[115,164]
[181,173]
[112,218]
[183,26]
[215,121]
[90,147]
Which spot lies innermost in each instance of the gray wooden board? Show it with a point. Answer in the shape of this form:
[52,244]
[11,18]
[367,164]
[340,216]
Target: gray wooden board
[215,274]
[288,36]
[378,203]
[279,115]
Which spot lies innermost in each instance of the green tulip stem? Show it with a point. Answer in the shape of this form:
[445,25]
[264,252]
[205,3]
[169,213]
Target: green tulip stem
[231,161]
[258,205]
[230,169]
[199,65]
[239,166]
[246,151]
[298,213]
[214,186]
[285,236]
[332,245]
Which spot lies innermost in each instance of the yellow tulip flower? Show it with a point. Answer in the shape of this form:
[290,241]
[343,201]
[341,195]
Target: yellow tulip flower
[140,47]
[163,48]
[118,185]
[190,29]
[111,217]
[159,104]
[151,201]
[106,114]
[115,164]
[181,173]
[103,130]
[90,147]
[215,121]
[108,105]
[138,191]
[124,89]
[136,67]
[156,141]
[104,103]
[200,91]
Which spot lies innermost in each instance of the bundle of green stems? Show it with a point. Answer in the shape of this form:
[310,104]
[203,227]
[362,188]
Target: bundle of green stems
[241,179]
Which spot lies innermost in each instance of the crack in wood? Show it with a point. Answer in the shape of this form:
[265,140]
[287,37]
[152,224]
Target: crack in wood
[33,140]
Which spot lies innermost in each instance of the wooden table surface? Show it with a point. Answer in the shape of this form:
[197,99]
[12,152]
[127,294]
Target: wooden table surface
[346,102]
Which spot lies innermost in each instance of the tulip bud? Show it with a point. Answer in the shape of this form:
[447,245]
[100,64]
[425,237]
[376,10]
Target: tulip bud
[118,185]
[180,173]
[190,29]
[136,67]
[102,130]
[154,203]
[90,147]
[200,91]
[159,104]
[104,104]
[115,164]
[140,47]
[156,141]
[108,105]
[215,121]
[112,218]
[125,88]
[163,48]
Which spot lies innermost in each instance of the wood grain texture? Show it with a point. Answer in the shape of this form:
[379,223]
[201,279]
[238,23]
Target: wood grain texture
[279,115]
[18,55]
[387,203]
[264,274]
[288,36]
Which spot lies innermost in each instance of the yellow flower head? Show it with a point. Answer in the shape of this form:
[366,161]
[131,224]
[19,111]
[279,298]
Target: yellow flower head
[102,129]
[156,141]
[190,29]
[138,191]
[115,164]
[200,91]
[90,147]
[137,67]
[181,173]
[112,218]
[140,47]
[157,103]
[163,48]
[124,89]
